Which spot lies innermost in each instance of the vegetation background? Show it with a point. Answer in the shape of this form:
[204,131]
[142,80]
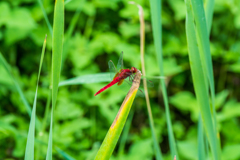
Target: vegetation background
[101,32]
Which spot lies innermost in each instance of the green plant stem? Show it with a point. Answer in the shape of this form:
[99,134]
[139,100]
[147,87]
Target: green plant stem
[157,35]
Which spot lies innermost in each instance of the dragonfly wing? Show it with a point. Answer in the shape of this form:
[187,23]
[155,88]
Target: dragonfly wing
[120,82]
[120,62]
[149,82]
[113,70]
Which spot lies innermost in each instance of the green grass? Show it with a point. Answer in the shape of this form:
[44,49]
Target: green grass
[156,8]
[201,69]
[58,32]
[19,90]
[29,152]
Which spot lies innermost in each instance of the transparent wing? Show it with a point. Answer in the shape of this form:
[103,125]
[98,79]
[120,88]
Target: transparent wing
[149,82]
[112,68]
[120,62]
[120,82]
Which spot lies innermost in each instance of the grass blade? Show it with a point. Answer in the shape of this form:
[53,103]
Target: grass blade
[19,90]
[201,145]
[58,31]
[45,17]
[157,35]
[64,154]
[91,78]
[116,128]
[209,14]
[49,150]
[199,78]
[70,30]
[29,152]
[125,135]
[204,44]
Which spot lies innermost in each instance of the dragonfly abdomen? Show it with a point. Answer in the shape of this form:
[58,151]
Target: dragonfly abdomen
[117,79]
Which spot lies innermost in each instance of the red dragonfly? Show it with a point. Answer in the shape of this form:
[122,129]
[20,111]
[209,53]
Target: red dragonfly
[119,75]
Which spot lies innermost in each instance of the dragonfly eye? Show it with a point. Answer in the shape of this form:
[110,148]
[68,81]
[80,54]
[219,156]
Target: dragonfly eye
[134,70]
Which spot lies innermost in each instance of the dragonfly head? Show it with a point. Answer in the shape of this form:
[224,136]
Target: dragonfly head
[133,70]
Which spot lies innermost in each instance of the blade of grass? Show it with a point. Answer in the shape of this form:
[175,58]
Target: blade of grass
[157,36]
[91,78]
[202,32]
[89,27]
[8,69]
[204,47]
[209,14]
[125,135]
[200,79]
[209,9]
[45,17]
[49,150]
[45,120]
[67,1]
[58,31]
[70,30]
[64,154]
[201,145]
[142,44]
[29,152]
[18,88]
[116,128]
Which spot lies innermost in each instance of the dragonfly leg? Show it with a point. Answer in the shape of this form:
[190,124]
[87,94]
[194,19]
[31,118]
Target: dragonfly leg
[132,79]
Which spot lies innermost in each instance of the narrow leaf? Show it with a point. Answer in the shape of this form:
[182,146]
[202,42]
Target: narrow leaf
[58,31]
[157,35]
[91,78]
[199,79]
[19,90]
[201,144]
[45,17]
[29,152]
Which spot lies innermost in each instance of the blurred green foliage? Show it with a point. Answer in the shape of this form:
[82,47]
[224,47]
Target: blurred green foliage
[103,30]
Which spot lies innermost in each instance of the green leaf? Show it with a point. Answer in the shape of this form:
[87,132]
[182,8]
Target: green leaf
[45,17]
[29,152]
[4,13]
[92,78]
[231,152]
[21,18]
[188,149]
[157,35]
[19,90]
[64,154]
[201,69]
[230,110]
[58,31]
[201,144]
[185,101]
